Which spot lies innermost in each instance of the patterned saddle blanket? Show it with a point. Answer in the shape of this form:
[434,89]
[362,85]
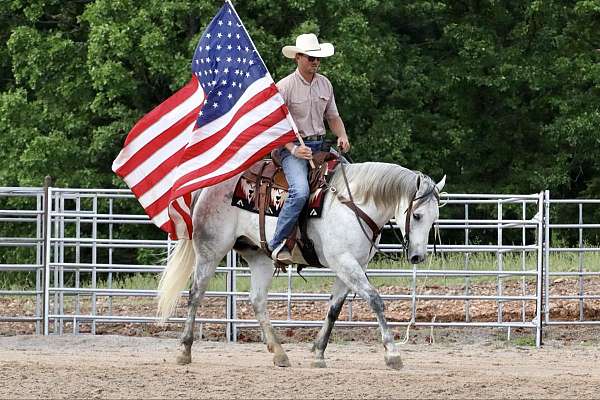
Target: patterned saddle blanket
[246,191]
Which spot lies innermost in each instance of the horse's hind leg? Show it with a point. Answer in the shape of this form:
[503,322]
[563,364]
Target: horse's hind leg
[261,269]
[205,269]
[336,302]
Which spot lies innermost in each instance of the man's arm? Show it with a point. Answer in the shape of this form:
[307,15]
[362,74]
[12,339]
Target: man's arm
[337,127]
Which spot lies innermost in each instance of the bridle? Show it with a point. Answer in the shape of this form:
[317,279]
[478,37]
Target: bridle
[413,204]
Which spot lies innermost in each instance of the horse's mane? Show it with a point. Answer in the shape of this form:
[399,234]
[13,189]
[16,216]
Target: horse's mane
[384,184]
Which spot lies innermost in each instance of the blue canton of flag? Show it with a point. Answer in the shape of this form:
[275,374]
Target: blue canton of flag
[225,63]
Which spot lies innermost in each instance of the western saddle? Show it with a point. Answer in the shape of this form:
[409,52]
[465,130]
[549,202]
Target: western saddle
[268,175]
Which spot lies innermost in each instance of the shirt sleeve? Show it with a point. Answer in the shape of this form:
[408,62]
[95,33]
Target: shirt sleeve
[331,110]
[283,88]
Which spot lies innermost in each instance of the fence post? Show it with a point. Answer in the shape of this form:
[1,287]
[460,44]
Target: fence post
[46,247]
[547,259]
[231,327]
[540,269]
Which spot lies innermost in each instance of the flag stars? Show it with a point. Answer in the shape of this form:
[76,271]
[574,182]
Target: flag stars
[228,47]
[229,96]
[239,47]
[219,35]
[250,62]
[229,35]
[226,70]
[224,82]
[247,49]
[208,35]
[219,93]
[247,74]
[218,47]
[215,105]
[207,47]
[220,22]
[228,59]
[237,35]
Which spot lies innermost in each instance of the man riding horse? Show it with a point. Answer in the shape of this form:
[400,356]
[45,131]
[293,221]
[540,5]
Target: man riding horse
[309,97]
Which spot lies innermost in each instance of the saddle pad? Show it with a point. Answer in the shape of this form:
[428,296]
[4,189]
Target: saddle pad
[244,197]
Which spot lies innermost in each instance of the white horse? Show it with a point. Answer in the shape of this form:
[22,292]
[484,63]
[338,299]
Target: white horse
[382,191]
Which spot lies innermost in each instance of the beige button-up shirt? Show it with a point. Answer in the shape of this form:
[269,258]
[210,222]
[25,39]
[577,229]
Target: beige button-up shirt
[308,102]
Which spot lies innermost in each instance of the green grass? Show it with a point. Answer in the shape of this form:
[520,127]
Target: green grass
[524,341]
[452,261]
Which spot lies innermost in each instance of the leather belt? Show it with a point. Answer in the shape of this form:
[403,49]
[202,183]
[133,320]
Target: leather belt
[313,138]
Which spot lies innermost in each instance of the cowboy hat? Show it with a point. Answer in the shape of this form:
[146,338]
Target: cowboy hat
[308,44]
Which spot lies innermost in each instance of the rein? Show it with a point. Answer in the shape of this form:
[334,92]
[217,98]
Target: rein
[359,214]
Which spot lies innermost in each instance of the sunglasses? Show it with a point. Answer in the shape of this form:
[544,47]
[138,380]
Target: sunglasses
[311,58]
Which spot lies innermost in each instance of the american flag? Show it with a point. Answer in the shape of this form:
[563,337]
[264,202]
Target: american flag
[227,117]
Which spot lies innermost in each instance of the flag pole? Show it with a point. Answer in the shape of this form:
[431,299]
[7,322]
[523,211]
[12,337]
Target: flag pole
[289,118]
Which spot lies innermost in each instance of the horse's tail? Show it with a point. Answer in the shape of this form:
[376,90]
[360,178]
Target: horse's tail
[175,277]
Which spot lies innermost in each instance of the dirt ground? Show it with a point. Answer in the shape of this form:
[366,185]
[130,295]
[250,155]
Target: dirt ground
[112,367]
[138,360]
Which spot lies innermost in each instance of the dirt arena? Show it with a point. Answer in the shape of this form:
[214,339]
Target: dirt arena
[114,367]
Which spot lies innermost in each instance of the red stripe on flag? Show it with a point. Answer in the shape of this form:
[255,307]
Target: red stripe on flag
[169,228]
[185,216]
[157,143]
[254,130]
[158,173]
[163,108]
[286,138]
[198,148]
[159,205]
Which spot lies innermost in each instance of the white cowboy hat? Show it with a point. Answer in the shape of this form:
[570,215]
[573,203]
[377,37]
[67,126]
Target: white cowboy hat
[308,44]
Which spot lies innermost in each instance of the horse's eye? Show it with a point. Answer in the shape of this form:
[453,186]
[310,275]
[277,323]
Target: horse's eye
[417,217]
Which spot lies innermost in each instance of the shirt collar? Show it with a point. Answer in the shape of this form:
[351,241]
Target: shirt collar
[297,72]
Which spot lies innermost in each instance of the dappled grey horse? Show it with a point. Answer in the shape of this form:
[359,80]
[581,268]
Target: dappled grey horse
[383,191]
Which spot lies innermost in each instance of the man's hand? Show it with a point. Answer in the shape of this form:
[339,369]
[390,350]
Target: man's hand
[302,152]
[343,144]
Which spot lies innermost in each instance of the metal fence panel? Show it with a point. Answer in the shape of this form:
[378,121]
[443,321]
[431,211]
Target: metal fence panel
[80,246]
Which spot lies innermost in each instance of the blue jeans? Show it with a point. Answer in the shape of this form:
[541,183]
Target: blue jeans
[296,173]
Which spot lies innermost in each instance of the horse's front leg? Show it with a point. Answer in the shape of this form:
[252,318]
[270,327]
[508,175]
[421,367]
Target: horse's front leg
[261,269]
[351,273]
[336,302]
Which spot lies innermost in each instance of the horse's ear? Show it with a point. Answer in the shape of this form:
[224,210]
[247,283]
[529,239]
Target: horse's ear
[440,185]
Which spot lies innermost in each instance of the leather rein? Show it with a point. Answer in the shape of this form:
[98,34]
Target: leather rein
[376,230]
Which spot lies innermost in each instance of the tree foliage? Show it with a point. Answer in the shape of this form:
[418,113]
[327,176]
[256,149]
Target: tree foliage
[502,96]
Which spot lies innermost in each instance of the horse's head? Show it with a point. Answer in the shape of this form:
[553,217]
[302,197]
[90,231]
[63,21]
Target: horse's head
[418,217]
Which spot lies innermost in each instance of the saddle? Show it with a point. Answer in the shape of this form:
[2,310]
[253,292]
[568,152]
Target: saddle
[267,176]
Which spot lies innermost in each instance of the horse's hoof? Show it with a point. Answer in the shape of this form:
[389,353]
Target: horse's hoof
[318,364]
[281,360]
[393,361]
[184,359]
